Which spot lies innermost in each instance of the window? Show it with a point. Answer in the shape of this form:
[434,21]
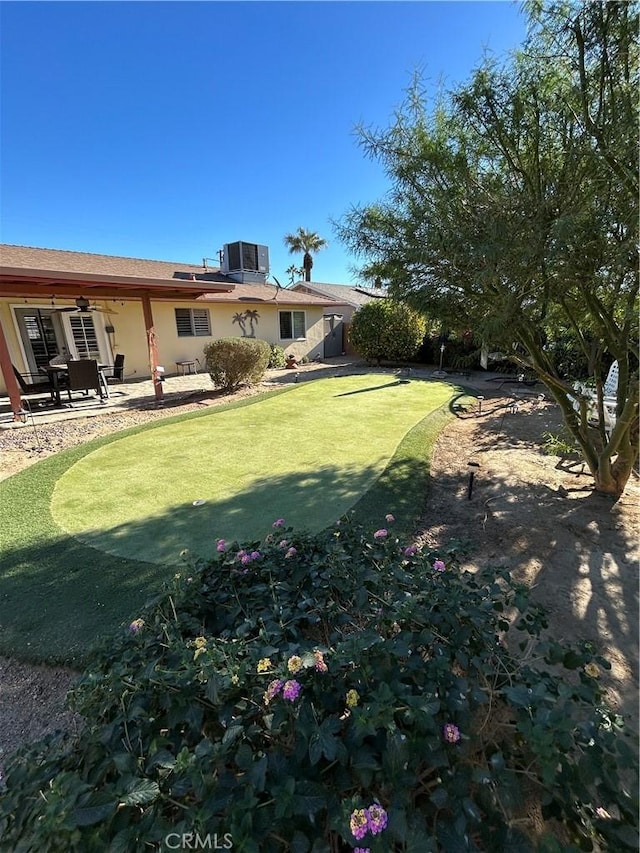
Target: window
[292,325]
[193,322]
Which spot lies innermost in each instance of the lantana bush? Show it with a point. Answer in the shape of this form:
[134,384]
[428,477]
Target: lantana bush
[332,692]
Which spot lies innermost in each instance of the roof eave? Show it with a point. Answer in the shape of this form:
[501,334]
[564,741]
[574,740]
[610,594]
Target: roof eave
[19,281]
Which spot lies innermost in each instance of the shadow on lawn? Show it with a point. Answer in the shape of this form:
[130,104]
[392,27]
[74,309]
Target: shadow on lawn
[59,594]
[373,388]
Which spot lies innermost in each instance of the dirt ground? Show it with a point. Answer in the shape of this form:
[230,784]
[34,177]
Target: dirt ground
[533,513]
[537,515]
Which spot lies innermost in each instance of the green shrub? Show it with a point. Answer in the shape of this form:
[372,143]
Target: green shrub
[299,692]
[277,358]
[386,330]
[559,444]
[233,362]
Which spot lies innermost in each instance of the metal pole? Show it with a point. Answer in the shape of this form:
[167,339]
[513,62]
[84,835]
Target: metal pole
[471,477]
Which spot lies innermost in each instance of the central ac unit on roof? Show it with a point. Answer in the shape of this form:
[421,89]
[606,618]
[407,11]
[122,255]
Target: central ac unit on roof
[241,257]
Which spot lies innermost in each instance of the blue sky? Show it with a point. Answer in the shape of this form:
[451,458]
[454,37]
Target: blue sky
[166,129]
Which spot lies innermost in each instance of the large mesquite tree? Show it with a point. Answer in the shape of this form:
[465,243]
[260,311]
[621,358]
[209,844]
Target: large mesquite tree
[513,207]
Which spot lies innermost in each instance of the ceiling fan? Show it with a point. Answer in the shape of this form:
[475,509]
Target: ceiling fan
[83,306]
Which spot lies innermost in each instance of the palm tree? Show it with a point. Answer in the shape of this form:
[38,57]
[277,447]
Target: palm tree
[294,272]
[307,242]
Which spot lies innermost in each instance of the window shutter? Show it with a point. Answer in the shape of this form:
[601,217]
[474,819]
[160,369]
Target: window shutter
[201,323]
[84,336]
[183,322]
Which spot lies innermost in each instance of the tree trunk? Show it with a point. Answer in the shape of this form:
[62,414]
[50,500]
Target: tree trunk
[307,263]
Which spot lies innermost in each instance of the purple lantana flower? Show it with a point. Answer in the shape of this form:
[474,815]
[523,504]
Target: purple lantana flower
[451,733]
[279,522]
[291,690]
[410,551]
[272,690]
[291,552]
[221,545]
[439,566]
[377,819]
[380,534]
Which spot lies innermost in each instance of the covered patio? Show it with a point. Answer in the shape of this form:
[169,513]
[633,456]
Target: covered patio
[27,282]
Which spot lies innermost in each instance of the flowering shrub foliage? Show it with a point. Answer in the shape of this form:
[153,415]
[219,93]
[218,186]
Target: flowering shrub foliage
[336,692]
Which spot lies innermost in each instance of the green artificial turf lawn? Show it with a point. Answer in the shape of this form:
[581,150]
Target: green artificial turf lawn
[306,456]
[58,595]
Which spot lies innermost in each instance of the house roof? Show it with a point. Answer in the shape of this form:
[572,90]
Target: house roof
[86,263]
[344,293]
[27,271]
[267,293]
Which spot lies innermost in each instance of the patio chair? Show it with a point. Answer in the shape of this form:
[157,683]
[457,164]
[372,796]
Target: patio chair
[609,400]
[27,388]
[84,376]
[115,373]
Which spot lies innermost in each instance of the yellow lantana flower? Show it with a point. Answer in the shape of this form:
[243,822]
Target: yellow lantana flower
[353,697]
[294,664]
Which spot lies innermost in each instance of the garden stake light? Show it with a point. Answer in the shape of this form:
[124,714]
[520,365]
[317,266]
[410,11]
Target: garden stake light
[471,477]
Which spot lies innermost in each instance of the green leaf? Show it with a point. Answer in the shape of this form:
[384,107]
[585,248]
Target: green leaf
[323,741]
[439,798]
[520,695]
[121,843]
[497,761]
[299,843]
[141,793]
[125,762]
[572,660]
[309,798]
[626,835]
[232,733]
[90,815]
[165,759]
[471,810]
[258,773]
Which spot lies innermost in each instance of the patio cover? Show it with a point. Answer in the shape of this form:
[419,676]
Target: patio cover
[46,273]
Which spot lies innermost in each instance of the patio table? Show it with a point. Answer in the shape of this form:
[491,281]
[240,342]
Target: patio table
[57,371]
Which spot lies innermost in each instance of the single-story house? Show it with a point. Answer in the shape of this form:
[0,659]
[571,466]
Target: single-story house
[351,297]
[155,313]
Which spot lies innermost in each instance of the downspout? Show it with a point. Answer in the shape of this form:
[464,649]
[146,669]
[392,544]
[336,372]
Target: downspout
[152,345]
[13,389]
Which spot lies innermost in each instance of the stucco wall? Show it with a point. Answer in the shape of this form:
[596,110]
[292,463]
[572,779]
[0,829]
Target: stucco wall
[129,336]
